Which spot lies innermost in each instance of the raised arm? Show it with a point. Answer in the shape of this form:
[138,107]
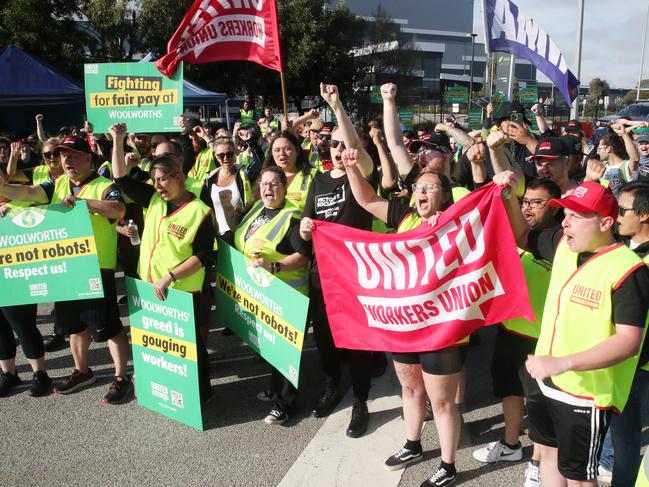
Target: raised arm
[39,128]
[540,120]
[624,131]
[308,115]
[501,160]
[393,135]
[389,173]
[460,136]
[118,132]
[520,228]
[352,141]
[363,192]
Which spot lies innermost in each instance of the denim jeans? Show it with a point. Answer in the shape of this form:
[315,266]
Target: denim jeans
[623,440]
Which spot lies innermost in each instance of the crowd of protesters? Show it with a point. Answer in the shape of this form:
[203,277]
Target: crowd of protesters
[579,210]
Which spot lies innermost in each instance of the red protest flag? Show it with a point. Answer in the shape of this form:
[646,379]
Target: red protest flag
[225,30]
[425,289]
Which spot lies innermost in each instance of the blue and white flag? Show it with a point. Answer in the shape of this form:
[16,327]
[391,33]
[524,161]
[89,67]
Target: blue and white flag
[507,29]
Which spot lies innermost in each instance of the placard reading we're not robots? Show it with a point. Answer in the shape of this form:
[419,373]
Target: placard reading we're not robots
[133,93]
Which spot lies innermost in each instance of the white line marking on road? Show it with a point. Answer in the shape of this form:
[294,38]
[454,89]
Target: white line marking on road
[332,459]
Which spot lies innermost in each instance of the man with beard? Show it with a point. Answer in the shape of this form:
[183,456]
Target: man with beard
[517,338]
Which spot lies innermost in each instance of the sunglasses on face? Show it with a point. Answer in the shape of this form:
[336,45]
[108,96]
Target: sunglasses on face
[223,155]
[336,143]
[324,137]
[49,154]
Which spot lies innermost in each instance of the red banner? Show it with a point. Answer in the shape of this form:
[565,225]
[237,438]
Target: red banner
[225,30]
[425,289]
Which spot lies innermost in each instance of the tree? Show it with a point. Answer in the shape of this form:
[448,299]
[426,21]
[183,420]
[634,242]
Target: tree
[597,90]
[46,29]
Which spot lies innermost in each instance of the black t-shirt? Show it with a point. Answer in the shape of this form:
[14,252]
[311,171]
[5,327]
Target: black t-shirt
[331,200]
[397,212]
[290,243]
[629,299]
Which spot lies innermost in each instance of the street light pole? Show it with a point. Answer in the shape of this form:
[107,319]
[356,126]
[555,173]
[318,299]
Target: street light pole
[473,36]
[644,43]
[574,112]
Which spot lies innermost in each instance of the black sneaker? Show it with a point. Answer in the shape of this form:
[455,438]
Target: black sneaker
[327,401]
[439,478]
[360,419]
[276,416]
[120,391]
[75,382]
[403,458]
[54,342]
[7,382]
[41,384]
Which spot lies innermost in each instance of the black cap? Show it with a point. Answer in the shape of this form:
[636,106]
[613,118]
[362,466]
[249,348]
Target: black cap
[436,141]
[549,148]
[74,144]
[572,143]
[509,109]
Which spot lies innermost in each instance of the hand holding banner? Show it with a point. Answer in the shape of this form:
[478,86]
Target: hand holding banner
[425,289]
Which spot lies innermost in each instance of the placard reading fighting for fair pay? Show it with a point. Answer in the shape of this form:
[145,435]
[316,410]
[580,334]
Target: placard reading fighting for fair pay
[48,253]
[133,93]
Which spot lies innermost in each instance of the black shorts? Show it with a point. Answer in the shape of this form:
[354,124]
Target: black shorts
[102,315]
[446,361]
[508,361]
[572,425]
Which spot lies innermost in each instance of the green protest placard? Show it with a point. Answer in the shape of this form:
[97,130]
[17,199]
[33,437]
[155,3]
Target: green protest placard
[163,337]
[529,96]
[48,253]
[474,119]
[406,117]
[457,94]
[266,313]
[529,114]
[134,93]
[375,94]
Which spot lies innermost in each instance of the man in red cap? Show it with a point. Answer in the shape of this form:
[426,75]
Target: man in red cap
[592,328]
[78,318]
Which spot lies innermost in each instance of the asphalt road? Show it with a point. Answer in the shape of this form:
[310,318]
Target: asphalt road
[76,440]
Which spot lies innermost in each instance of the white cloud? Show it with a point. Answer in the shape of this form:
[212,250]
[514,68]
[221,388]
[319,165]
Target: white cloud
[612,35]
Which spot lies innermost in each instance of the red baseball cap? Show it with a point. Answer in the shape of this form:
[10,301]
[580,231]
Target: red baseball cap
[590,197]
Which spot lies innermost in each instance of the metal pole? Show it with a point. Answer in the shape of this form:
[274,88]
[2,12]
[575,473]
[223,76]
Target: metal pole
[473,36]
[227,113]
[510,81]
[574,111]
[644,43]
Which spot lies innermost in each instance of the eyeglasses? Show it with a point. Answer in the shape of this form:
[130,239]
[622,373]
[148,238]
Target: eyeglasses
[335,143]
[536,203]
[601,147]
[4,147]
[428,188]
[49,154]
[269,185]
[623,210]
[223,155]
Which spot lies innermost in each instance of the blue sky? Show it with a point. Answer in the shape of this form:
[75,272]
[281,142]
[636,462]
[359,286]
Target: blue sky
[612,36]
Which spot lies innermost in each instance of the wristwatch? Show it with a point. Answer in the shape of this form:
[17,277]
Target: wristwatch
[275,267]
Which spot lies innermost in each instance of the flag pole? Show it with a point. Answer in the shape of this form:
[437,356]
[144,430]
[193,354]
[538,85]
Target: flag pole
[281,78]
[488,74]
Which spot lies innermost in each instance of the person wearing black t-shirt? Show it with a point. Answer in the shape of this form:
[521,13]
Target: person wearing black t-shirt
[578,383]
[330,199]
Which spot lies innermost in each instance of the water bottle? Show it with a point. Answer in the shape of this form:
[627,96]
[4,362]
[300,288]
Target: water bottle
[135,238]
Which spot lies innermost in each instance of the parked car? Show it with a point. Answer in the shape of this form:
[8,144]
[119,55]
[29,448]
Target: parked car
[638,110]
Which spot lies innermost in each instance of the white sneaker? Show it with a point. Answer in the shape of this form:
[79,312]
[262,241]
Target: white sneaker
[497,451]
[532,476]
[604,475]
